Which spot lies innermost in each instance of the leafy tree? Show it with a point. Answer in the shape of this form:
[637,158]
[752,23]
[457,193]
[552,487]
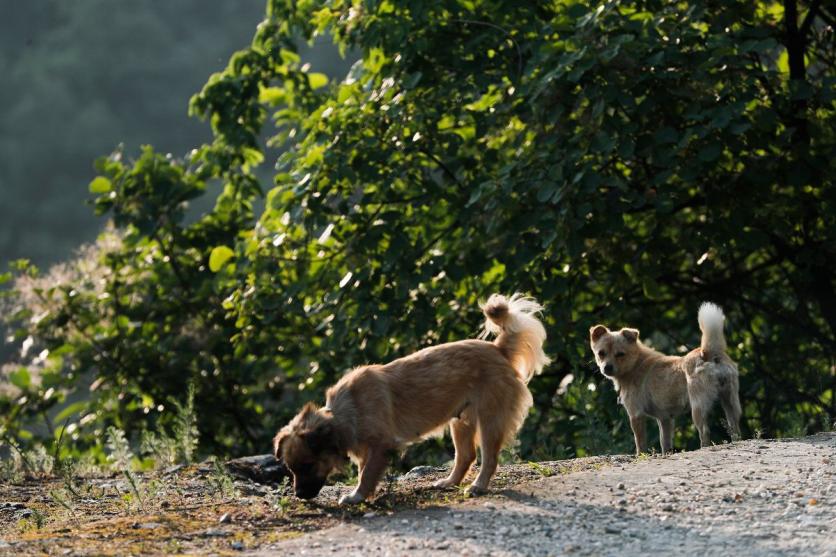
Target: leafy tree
[621,161]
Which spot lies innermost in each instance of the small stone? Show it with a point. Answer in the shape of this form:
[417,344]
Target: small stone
[225,518]
[370,514]
[419,472]
[237,546]
[620,486]
[145,525]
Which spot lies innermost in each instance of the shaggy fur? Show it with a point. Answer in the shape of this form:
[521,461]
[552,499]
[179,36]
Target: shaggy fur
[476,387]
[662,387]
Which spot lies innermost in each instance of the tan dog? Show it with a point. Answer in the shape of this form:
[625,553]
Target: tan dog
[475,386]
[662,387]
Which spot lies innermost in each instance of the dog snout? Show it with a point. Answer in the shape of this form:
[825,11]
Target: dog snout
[308,489]
[609,369]
[306,493]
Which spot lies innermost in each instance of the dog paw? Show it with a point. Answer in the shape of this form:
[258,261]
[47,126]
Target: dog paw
[351,499]
[475,491]
[443,484]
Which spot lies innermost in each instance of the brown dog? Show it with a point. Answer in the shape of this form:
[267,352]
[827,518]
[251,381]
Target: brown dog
[662,387]
[477,387]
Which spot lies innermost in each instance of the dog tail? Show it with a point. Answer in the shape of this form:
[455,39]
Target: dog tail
[711,321]
[520,334]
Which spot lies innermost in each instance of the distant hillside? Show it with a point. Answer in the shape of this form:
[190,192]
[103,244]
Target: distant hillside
[81,77]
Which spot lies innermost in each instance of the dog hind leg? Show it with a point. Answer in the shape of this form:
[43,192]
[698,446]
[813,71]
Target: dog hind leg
[666,434]
[730,400]
[500,414]
[490,443]
[700,417]
[463,431]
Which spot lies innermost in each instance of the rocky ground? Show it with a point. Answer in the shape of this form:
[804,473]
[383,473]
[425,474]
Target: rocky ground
[756,497]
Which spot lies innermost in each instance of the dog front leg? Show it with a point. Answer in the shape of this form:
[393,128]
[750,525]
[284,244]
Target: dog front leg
[638,425]
[370,473]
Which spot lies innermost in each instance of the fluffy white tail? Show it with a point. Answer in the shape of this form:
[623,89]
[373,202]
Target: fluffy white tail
[520,334]
[711,321]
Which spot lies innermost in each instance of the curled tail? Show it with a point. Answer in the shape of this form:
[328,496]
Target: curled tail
[711,321]
[520,334]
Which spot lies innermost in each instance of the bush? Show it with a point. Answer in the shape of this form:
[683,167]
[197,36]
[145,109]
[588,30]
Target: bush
[621,162]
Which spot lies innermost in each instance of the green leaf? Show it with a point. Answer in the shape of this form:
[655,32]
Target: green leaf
[20,378]
[218,258]
[100,184]
[317,80]
[70,410]
[271,95]
[289,57]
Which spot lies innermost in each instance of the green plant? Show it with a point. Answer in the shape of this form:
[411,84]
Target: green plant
[36,519]
[545,471]
[186,435]
[119,451]
[621,161]
[65,499]
[220,482]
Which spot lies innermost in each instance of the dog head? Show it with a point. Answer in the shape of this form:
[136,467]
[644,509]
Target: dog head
[615,352]
[309,446]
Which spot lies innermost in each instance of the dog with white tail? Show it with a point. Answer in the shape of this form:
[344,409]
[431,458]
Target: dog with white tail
[659,386]
[477,388]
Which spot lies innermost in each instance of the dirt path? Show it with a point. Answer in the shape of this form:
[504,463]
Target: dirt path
[757,497]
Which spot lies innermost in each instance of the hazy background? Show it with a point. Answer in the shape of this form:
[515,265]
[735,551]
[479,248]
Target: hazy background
[83,76]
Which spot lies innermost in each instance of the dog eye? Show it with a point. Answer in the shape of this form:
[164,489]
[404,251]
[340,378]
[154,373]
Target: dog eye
[602,353]
[619,354]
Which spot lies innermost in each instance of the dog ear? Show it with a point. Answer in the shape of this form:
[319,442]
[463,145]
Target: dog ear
[308,409]
[277,442]
[320,437]
[632,335]
[597,332]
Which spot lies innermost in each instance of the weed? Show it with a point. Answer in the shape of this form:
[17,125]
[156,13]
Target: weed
[40,461]
[220,482]
[540,469]
[161,447]
[826,423]
[185,427]
[63,498]
[511,453]
[35,520]
[796,426]
[118,448]
[135,483]
[11,468]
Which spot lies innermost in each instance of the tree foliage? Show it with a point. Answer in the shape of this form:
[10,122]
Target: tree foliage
[621,161]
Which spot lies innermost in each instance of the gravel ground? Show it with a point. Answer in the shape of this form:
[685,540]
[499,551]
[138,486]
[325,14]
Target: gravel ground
[756,497]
